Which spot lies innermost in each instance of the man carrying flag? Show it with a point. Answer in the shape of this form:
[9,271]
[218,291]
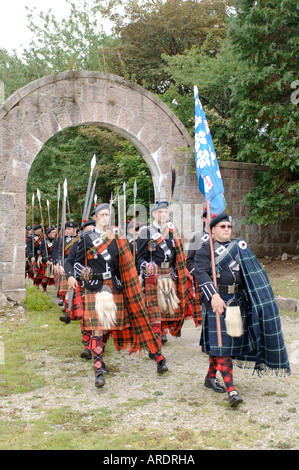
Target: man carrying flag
[238,303]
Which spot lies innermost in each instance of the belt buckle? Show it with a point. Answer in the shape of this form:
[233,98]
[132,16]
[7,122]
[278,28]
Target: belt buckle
[164,265]
[231,289]
[106,275]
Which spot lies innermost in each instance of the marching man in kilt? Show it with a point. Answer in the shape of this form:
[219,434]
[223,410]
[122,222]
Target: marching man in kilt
[244,300]
[113,300]
[46,248]
[64,245]
[75,305]
[162,263]
[34,256]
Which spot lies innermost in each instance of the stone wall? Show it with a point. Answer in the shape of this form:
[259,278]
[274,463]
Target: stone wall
[238,179]
[271,240]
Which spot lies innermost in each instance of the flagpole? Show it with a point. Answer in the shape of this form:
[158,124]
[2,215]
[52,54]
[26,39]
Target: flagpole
[214,277]
[134,234]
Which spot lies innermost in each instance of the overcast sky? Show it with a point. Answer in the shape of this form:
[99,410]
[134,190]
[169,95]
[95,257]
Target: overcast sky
[14,34]
[13,20]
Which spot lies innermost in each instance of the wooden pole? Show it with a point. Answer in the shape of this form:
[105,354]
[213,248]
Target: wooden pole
[218,325]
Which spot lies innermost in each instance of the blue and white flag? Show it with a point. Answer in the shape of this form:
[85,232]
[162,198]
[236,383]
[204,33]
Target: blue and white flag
[207,168]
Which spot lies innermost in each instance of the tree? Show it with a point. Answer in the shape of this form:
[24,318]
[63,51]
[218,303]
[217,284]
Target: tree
[148,29]
[264,34]
[74,43]
[12,72]
[212,75]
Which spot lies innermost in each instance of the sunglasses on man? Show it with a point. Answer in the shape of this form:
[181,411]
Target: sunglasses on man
[223,226]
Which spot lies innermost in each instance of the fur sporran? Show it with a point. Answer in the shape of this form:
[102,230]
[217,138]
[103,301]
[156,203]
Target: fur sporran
[167,298]
[106,308]
[233,320]
[49,271]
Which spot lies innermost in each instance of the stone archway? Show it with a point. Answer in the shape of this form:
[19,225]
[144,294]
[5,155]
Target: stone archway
[42,108]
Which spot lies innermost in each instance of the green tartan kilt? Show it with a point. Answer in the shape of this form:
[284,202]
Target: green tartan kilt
[153,310]
[90,316]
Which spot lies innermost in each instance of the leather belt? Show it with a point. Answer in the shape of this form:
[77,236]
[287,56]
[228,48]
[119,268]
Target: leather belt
[230,289]
[101,276]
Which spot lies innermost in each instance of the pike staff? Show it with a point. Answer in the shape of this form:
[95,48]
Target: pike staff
[92,165]
[58,202]
[134,240]
[125,207]
[92,196]
[63,218]
[214,277]
[32,234]
[111,202]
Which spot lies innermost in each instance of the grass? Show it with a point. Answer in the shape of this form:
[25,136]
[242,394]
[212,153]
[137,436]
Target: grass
[286,288]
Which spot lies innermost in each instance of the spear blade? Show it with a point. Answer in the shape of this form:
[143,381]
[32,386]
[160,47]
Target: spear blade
[92,165]
[58,202]
[49,218]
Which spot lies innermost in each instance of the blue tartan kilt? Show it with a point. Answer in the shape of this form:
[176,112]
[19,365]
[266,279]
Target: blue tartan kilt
[232,347]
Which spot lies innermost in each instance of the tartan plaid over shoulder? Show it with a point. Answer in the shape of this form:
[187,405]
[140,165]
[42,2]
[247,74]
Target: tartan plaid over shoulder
[183,286]
[141,333]
[270,350]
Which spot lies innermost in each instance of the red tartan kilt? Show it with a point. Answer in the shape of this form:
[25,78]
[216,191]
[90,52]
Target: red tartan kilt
[197,315]
[42,270]
[90,315]
[77,310]
[31,275]
[151,299]
[63,286]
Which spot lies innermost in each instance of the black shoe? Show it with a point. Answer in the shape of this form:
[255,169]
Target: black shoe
[65,318]
[234,399]
[164,339]
[86,354]
[60,303]
[162,367]
[152,356]
[99,381]
[104,368]
[214,384]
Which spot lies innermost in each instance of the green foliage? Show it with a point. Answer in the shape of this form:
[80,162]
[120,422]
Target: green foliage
[74,43]
[265,38]
[68,155]
[149,29]
[36,300]
[12,72]
[212,75]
